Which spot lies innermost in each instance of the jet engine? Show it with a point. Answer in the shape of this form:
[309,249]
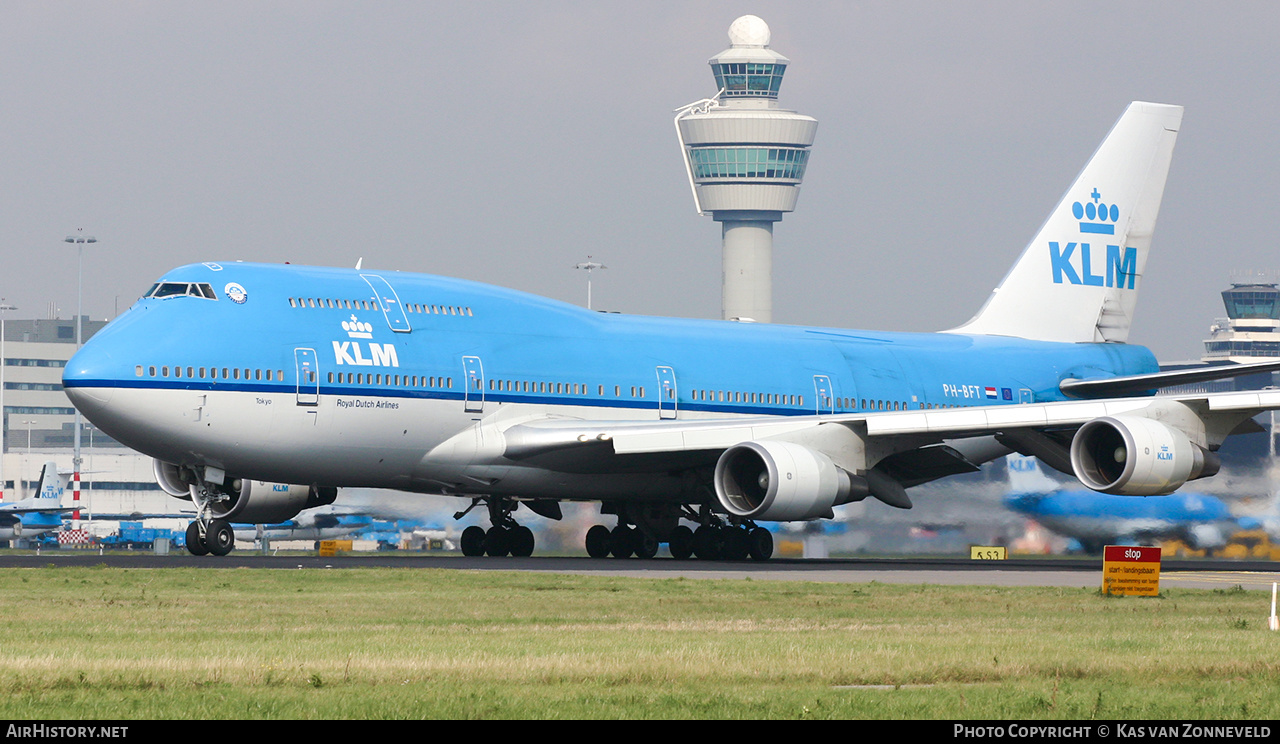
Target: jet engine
[1136,456]
[172,479]
[243,500]
[782,481]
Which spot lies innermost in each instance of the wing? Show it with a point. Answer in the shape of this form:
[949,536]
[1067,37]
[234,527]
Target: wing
[1131,446]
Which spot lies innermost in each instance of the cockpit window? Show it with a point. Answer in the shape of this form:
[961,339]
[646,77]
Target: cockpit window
[179,289]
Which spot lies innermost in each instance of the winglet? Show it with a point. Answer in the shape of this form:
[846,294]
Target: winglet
[1078,280]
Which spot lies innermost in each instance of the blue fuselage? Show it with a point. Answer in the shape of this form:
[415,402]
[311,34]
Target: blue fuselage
[235,344]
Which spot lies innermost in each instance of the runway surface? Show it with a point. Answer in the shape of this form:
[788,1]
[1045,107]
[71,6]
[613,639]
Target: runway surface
[1073,572]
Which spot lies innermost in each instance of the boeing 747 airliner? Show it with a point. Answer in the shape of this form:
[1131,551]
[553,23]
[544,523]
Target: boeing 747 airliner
[261,389]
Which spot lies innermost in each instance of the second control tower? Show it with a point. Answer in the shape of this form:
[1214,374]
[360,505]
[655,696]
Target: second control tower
[746,158]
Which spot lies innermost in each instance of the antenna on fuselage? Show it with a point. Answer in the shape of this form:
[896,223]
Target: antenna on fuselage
[358,262]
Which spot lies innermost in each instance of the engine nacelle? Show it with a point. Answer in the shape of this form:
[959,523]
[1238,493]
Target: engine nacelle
[242,500]
[1137,456]
[172,479]
[782,481]
[260,502]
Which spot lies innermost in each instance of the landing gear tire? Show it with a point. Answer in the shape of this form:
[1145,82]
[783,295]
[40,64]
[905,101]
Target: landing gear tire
[195,541]
[219,537]
[680,544]
[646,546]
[521,541]
[735,545]
[761,544]
[622,542]
[497,542]
[706,543]
[598,541]
[473,541]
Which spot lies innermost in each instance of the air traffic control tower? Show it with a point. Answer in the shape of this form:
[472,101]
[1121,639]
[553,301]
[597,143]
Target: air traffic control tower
[746,158]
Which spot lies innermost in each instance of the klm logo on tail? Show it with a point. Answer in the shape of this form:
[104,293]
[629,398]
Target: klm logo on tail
[1075,263]
[1105,216]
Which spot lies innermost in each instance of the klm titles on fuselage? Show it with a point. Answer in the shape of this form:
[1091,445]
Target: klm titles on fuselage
[351,352]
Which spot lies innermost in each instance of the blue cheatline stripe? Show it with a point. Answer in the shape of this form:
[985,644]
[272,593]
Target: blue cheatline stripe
[647,405]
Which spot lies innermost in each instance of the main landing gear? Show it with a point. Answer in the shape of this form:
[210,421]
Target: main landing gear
[641,530]
[505,537]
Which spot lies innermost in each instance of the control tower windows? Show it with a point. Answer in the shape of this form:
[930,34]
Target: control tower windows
[749,162]
[749,79]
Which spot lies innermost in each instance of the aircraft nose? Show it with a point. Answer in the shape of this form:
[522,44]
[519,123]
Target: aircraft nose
[86,380]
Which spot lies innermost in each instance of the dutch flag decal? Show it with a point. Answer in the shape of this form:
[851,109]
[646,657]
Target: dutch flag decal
[991,393]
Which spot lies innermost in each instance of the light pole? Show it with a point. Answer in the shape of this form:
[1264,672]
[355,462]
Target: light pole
[4,420]
[590,266]
[26,462]
[78,240]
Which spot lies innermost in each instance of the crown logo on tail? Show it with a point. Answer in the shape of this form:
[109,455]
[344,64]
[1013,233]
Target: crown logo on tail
[1101,216]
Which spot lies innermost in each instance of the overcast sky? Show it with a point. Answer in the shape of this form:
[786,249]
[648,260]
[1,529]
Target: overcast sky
[507,141]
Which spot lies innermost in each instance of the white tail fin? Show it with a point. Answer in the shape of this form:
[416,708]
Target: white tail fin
[51,483]
[1078,280]
[1025,476]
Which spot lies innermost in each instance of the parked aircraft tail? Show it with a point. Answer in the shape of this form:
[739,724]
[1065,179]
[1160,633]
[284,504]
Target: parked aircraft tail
[52,483]
[1025,475]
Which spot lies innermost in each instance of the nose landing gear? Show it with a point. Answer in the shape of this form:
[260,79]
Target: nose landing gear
[207,534]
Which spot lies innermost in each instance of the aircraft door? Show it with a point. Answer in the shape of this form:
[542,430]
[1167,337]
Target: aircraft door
[666,393]
[1025,396]
[824,394]
[389,301]
[473,385]
[308,370]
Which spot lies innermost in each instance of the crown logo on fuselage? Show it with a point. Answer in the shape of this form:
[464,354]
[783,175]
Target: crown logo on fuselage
[1102,217]
[357,329]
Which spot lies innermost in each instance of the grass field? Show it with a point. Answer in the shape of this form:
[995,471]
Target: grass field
[398,643]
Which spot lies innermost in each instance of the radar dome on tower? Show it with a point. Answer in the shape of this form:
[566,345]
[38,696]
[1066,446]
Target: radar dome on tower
[749,31]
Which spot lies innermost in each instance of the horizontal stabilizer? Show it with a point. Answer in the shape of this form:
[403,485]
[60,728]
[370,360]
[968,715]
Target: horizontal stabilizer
[1133,384]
